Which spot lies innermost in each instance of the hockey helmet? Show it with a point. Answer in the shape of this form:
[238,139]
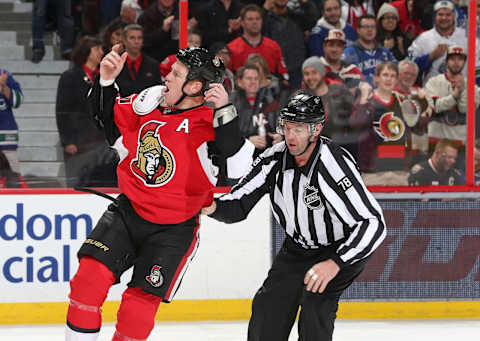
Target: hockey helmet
[303,107]
[202,65]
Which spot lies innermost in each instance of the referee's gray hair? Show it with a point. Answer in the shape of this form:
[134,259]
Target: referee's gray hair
[406,62]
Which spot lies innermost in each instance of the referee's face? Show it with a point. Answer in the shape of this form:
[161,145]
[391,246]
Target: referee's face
[297,136]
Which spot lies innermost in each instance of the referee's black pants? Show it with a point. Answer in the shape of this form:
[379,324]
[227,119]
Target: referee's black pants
[276,303]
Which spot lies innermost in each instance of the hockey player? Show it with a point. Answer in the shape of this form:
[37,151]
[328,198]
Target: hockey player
[332,224]
[165,137]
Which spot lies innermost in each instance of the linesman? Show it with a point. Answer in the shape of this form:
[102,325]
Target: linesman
[332,222]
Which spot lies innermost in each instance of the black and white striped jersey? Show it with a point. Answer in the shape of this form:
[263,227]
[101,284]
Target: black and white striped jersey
[318,204]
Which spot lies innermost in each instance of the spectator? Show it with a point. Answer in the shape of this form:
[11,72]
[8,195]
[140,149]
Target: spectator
[112,35]
[267,80]
[9,178]
[257,109]
[140,71]
[331,19]
[389,34]
[449,95]
[160,27]
[382,152]
[64,26]
[218,20]
[366,53]
[11,97]
[288,28]
[417,140]
[409,14]
[338,102]
[221,50]
[335,68]
[252,41]
[439,168]
[429,49]
[130,11]
[81,140]
[194,40]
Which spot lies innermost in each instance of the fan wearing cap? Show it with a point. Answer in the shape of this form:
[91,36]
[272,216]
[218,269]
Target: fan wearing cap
[429,48]
[166,138]
[338,102]
[332,12]
[332,224]
[335,68]
[449,94]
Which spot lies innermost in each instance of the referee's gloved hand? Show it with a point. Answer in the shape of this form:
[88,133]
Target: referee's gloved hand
[317,278]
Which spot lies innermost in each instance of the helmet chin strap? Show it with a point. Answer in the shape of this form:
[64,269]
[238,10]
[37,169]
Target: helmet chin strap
[184,94]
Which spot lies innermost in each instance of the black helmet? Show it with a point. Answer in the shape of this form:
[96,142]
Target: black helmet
[203,65]
[303,107]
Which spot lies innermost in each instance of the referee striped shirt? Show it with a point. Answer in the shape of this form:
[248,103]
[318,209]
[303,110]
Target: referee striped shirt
[318,204]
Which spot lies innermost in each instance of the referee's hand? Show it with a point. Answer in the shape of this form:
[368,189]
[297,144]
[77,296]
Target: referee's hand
[210,209]
[318,276]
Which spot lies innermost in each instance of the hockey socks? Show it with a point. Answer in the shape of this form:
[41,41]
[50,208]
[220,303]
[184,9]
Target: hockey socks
[88,291]
[136,315]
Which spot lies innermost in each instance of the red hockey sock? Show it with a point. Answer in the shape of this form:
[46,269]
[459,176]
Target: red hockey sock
[88,291]
[136,315]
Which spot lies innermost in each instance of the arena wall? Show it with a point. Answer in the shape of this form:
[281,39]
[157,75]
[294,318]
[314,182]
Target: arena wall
[40,234]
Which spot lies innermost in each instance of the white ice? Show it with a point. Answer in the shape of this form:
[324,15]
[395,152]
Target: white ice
[345,330]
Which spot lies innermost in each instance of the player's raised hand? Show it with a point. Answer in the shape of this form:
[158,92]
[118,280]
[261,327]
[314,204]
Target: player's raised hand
[112,64]
[217,95]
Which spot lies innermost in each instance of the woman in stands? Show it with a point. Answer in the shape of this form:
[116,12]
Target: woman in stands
[83,143]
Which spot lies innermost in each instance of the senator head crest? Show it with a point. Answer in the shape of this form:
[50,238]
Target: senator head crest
[154,164]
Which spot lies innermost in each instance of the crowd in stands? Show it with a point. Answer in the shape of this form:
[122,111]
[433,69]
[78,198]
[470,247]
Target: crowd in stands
[392,74]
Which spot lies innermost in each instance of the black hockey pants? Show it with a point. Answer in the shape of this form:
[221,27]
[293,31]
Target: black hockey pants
[276,303]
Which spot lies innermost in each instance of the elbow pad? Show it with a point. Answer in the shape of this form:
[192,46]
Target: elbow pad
[148,100]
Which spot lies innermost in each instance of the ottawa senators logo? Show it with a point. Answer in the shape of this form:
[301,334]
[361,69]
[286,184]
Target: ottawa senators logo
[155,278]
[389,127]
[154,164]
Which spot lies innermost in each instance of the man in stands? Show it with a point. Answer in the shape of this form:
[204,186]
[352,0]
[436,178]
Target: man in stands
[337,69]
[252,41]
[331,19]
[430,47]
[449,94]
[439,168]
[366,53]
[140,71]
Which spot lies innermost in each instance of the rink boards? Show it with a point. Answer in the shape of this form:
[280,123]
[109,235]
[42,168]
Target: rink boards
[40,234]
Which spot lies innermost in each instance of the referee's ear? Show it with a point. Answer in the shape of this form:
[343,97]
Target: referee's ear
[318,129]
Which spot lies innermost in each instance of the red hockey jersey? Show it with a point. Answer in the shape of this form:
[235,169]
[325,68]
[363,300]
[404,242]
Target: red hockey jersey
[164,167]
[268,49]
